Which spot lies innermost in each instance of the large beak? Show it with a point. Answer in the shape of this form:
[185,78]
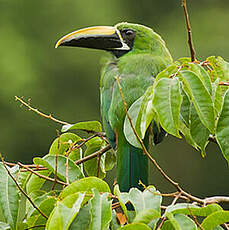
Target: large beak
[97,37]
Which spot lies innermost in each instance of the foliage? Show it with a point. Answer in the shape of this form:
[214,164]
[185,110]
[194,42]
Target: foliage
[64,189]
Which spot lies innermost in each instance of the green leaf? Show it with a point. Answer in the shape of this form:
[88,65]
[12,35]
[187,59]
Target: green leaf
[168,72]
[135,226]
[167,102]
[200,98]
[215,219]
[148,199]
[185,109]
[35,182]
[4,226]
[82,220]
[9,198]
[222,129]
[49,161]
[128,131]
[145,114]
[110,159]
[23,178]
[187,209]
[62,143]
[62,216]
[85,185]
[146,216]
[220,68]
[89,126]
[100,211]
[173,221]
[123,198]
[202,74]
[198,131]
[217,96]
[186,132]
[90,166]
[180,221]
[44,202]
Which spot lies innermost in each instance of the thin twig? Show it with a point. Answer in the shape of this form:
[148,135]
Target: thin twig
[21,190]
[195,219]
[93,155]
[40,113]
[190,42]
[40,175]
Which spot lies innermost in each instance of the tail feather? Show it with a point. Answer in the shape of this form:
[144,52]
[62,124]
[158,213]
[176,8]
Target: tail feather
[132,166]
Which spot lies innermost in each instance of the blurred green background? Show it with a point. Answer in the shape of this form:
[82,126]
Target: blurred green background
[65,81]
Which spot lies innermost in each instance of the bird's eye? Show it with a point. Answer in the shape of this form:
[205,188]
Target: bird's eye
[129,32]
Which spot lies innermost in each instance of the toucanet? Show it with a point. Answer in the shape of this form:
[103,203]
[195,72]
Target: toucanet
[138,55]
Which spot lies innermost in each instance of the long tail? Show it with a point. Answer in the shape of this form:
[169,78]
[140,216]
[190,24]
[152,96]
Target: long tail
[132,165]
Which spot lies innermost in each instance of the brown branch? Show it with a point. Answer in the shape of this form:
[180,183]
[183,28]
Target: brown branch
[40,175]
[190,42]
[216,199]
[50,117]
[93,155]
[21,190]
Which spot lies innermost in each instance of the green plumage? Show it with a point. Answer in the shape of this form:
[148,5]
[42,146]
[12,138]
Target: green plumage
[136,71]
[139,54]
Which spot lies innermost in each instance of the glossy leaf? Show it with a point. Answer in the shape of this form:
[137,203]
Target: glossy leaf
[200,98]
[90,166]
[167,102]
[217,96]
[44,202]
[85,185]
[89,126]
[62,216]
[146,113]
[220,68]
[222,130]
[49,161]
[184,208]
[168,72]
[100,211]
[198,131]
[128,131]
[123,198]
[62,143]
[185,109]
[186,132]
[146,216]
[215,219]
[180,222]
[35,182]
[9,198]
[82,220]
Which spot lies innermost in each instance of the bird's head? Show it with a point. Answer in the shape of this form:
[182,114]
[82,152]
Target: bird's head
[119,39]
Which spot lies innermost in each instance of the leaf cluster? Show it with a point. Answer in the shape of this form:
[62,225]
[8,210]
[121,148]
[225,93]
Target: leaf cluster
[189,99]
